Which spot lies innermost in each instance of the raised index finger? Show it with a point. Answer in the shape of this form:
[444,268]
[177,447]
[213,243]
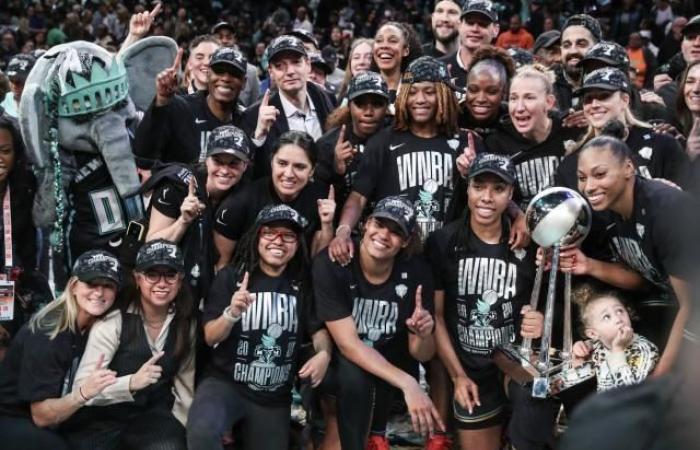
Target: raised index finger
[419,297]
[155,358]
[244,283]
[178,60]
[156,10]
[191,188]
[331,193]
[470,143]
[341,136]
[266,98]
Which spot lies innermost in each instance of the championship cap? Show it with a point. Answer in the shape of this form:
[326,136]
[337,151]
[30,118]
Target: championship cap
[229,56]
[159,253]
[19,67]
[610,53]
[485,8]
[230,140]
[95,264]
[397,209]
[222,26]
[367,83]
[607,78]
[427,68]
[499,165]
[317,60]
[285,43]
[520,56]
[305,36]
[281,213]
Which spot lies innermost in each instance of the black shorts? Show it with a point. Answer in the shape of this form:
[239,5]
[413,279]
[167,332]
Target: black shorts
[493,401]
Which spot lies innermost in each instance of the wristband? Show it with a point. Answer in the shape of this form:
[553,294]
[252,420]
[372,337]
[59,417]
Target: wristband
[230,318]
[341,226]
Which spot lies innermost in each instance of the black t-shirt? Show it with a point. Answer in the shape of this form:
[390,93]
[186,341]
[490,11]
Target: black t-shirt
[485,287]
[421,169]
[37,368]
[458,74]
[535,163]
[237,213]
[260,354]
[178,131]
[379,311]
[659,239]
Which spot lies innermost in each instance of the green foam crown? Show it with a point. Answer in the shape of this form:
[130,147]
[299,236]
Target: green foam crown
[103,90]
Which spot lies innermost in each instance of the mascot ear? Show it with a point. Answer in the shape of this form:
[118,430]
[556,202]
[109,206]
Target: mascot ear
[34,123]
[144,60]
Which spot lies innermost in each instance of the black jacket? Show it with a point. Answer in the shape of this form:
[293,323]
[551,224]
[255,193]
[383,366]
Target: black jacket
[323,106]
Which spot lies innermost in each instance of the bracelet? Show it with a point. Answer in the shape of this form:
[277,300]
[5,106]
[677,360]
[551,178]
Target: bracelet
[230,318]
[341,226]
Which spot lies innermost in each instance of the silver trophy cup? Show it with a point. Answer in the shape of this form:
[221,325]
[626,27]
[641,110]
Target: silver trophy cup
[555,217]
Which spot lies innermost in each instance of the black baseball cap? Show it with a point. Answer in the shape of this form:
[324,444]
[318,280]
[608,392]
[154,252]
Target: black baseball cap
[546,40]
[97,264]
[367,83]
[285,43]
[305,36]
[587,22]
[610,53]
[159,253]
[230,140]
[485,8]
[520,56]
[607,78]
[281,213]
[427,68]
[397,209]
[19,67]
[229,56]
[693,25]
[317,60]
[498,165]
[330,55]
[222,26]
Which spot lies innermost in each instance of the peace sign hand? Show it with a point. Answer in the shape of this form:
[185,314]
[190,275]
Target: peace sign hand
[167,81]
[421,321]
[241,299]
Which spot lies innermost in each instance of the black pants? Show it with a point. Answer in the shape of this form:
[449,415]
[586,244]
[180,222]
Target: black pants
[156,429]
[218,405]
[359,396]
[20,433]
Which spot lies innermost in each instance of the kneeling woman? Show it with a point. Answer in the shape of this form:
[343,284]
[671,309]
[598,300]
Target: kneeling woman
[149,343]
[374,309]
[256,315]
[476,310]
[37,373]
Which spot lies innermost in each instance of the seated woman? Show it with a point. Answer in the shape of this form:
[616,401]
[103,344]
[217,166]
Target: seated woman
[36,377]
[291,183]
[149,344]
[256,317]
[375,308]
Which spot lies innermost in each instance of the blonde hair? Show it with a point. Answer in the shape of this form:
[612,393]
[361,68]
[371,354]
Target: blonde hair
[539,72]
[58,315]
[586,295]
[348,71]
[445,117]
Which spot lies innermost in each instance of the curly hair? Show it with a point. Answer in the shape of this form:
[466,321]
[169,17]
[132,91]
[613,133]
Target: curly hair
[445,117]
[587,294]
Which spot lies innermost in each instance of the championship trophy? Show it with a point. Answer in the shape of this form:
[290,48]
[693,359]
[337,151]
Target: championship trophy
[555,217]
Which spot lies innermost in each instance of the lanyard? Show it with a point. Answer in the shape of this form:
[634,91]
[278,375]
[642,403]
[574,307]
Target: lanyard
[7,228]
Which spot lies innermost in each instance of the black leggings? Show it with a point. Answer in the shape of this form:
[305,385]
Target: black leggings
[218,405]
[20,433]
[359,396]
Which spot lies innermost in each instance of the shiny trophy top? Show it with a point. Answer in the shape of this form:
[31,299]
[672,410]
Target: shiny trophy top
[558,215]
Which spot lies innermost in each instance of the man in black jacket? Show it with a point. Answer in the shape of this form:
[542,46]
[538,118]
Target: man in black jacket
[297,105]
[175,128]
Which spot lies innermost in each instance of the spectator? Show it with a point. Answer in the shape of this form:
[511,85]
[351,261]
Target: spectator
[445,27]
[547,48]
[642,61]
[662,14]
[516,36]
[625,21]
[301,21]
[8,48]
[17,72]
[672,40]
[359,60]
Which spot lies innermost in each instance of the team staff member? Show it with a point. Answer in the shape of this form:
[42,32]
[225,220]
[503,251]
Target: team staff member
[255,317]
[606,98]
[482,289]
[418,157]
[293,164]
[533,137]
[373,309]
[149,345]
[298,105]
[478,27]
[36,376]
[185,202]
[175,127]
[197,66]
[653,228]
[340,150]
[445,26]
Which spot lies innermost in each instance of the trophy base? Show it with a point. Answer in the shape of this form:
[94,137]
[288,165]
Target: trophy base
[521,365]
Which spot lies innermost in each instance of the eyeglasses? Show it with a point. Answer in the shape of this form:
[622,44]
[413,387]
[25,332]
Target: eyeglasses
[154,276]
[271,235]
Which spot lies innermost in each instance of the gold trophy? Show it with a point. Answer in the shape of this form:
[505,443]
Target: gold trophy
[555,217]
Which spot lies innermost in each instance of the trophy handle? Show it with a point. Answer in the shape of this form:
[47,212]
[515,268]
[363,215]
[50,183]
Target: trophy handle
[543,360]
[526,348]
[567,345]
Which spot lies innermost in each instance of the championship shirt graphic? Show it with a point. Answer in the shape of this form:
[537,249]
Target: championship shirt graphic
[426,206]
[482,316]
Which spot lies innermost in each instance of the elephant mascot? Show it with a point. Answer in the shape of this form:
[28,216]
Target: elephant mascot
[77,113]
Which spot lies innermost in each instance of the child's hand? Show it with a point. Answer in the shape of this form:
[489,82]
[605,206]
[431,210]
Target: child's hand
[623,339]
[532,324]
[581,349]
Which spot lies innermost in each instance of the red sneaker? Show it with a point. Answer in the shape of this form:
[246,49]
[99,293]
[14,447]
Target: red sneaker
[438,442]
[377,442]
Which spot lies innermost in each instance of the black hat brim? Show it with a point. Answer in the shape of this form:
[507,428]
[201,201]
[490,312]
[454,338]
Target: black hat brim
[392,217]
[376,92]
[603,86]
[504,176]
